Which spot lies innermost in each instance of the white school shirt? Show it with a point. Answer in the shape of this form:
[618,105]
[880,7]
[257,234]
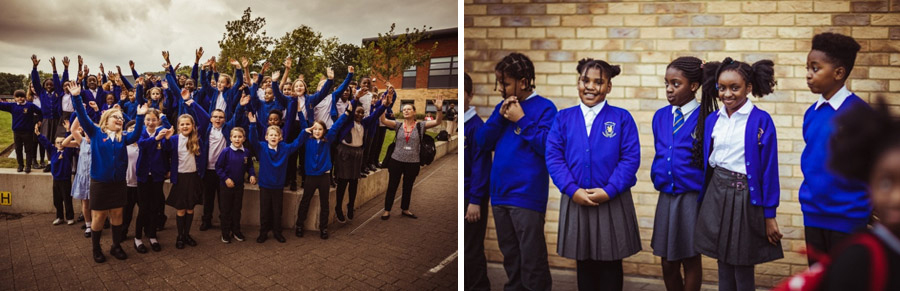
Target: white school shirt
[36,101]
[590,113]
[216,145]
[686,110]
[261,93]
[342,105]
[322,112]
[301,100]
[836,100]
[728,139]
[366,102]
[186,162]
[131,172]
[220,102]
[471,112]
[67,103]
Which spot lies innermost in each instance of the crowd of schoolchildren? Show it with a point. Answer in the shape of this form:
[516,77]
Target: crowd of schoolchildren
[112,144]
[715,167]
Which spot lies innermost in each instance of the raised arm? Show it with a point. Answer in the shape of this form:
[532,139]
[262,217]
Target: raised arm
[86,124]
[335,128]
[254,139]
[439,104]
[35,77]
[134,135]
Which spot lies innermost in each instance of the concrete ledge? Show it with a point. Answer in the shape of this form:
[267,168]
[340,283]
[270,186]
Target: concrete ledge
[33,193]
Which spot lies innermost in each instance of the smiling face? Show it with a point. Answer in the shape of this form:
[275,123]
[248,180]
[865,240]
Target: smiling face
[733,90]
[822,76]
[151,121]
[48,85]
[223,83]
[217,118]
[189,85]
[593,87]
[185,125]
[92,82]
[110,99]
[679,91]
[155,94]
[59,143]
[66,86]
[287,89]
[359,114]
[237,138]
[274,119]
[885,188]
[181,80]
[270,95]
[318,130]
[299,87]
[115,121]
[365,83]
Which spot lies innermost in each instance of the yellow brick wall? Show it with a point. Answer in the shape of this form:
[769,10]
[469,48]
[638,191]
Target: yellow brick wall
[643,37]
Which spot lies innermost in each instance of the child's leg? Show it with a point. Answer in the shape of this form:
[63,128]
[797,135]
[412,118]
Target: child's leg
[277,208]
[225,200]
[19,140]
[237,202]
[509,247]
[324,185]
[672,275]
[354,183]
[210,191]
[744,278]
[588,274]
[58,198]
[476,277]
[67,199]
[309,189]
[128,211]
[726,277]
[529,231]
[610,275]
[265,211]
[693,273]
[339,195]
[40,148]
[30,149]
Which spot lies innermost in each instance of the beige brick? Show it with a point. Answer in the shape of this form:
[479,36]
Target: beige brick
[561,32]
[894,86]
[656,57]
[895,59]
[741,45]
[528,32]
[608,44]
[623,32]
[608,20]
[639,45]
[673,20]
[576,20]
[545,44]
[776,45]
[886,19]
[722,7]
[851,19]
[672,45]
[831,6]
[742,19]
[723,32]
[516,44]
[870,32]
[759,32]
[813,19]
[590,32]
[568,8]
[758,6]
[883,46]
[476,32]
[707,19]
[640,20]
[776,19]
[690,32]
[869,6]
[545,20]
[475,9]
[576,44]
[623,8]
[791,58]
[795,32]
[869,85]
[592,8]
[560,79]
[501,33]
[486,21]
[873,59]
[884,72]
[795,6]
[656,32]
[681,8]
[511,21]
[657,8]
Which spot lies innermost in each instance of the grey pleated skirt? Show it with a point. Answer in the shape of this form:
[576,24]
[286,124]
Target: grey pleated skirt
[673,226]
[348,162]
[187,192]
[606,232]
[729,228]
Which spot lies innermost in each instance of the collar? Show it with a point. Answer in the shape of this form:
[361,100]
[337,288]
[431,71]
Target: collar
[596,109]
[236,149]
[836,100]
[744,110]
[887,237]
[533,93]
[23,103]
[272,147]
[689,107]
[470,113]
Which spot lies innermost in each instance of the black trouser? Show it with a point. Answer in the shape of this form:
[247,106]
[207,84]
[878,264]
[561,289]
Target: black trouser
[341,185]
[24,138]
[270,208]
[520,236]
[128,212]
[313,183]
[599,275]
[62,197]
[476,277]
[150,202]
[377,144]
[294,159]
[210,191]
[822,240]
[396,170]
[231,200]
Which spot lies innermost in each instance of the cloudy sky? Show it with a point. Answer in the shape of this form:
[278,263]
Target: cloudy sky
[115,31]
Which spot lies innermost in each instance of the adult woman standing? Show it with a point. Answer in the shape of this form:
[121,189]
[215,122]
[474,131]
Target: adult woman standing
[109,159]
[404,161]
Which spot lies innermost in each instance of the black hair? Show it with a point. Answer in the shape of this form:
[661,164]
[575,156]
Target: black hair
[840,49]
[19,93]
[276,112]
[610,71]
[693,69]
[861,137]
[468,84]
[130,123]
[516,66]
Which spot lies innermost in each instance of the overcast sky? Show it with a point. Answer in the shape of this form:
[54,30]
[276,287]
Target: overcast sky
[115,31]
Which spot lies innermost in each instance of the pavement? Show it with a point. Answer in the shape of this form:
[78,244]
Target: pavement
[367,253]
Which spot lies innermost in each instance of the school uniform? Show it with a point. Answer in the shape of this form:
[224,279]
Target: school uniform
[232,164]
[833,206]
[273,162]
[61,170]
[317,167]
[226,101]
[217,140]
[308,102]
[24,117]
[678,181]
[48,103]
[187,168]
[131,189]
[740,191]
[379,131]
[348,158]
[476,181]
[596,147]
[519,190]
[151,170]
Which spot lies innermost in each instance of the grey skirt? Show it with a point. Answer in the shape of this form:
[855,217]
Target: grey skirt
[607,232]
[105,196]
[187,192]
[673,226]
[729,228]
[348,162]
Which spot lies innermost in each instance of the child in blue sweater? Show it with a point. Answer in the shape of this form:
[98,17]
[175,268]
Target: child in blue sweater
[317,142]
[476,197]
[517,134]
[833,206]
[231,166]
[61,167]
[24,116]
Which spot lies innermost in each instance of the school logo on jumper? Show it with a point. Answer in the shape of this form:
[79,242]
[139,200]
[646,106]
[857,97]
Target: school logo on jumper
[518,130]
[24,110]
[759,136]
[608,129]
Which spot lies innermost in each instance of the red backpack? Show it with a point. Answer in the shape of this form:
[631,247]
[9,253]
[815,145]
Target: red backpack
[813,278]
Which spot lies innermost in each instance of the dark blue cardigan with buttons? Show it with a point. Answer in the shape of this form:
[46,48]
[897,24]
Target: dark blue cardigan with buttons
[672,171]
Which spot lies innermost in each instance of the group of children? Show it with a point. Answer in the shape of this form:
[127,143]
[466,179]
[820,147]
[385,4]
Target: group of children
[203,135]
[716,169]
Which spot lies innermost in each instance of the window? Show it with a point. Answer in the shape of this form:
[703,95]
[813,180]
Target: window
[442,72]
[409,78]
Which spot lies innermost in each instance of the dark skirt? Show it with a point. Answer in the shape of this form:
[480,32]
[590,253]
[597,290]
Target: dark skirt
[607,232]
[673,226]
[729,228]
[105,196]
[186,193]
[349,161]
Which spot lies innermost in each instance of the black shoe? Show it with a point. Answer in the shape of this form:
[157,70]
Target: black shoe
[46,169]
[410,215]
[262,238]
[87,233]
[155,246]
[19,170]
[80,218]
[294,186]
[339,215]
[279,237]
[189,240]
[372,168]
[98,256]
[226,238]
[27,170]
[324,233]
[363,175]
[117,252]
[299,232]
[205,225]
[350,213]
[179,242]
[140,248]
[238,236]
[385,217]
[37,166]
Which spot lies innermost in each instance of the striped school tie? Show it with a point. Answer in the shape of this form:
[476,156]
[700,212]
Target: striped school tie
[679,120]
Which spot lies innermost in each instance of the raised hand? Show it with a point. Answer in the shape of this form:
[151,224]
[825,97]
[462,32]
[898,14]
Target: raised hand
[244,62]
[165,67]
[161,133]
[265,67]
[87,71]
[276,75]
[165,84]
[131,64]
[94,105]
[234,63]
[35,60]
[185,94]
[65,123]
[80,61]
[245,99]
[439,101]
[101,69]
[176,67]
[165,55]
[251,117]
[189,102]
[288,62]
[65,62]
[199,54]
[53,63]
[350,69]
[329,73]
[119,70]
[74,89]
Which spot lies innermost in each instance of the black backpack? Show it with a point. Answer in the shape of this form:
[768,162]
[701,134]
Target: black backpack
[427,148]
[443,136]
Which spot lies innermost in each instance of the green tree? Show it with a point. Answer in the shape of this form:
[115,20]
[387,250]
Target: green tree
[339,56]
[303,45]
[243,38]
[390,53]
[9,83]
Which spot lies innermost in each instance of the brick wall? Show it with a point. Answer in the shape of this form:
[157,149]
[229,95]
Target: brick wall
[644,37]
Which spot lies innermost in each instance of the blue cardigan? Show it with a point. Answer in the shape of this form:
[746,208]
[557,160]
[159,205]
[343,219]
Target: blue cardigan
[672,171]
[760,154]
[60,161]
[109,157]
[477,171]
[151,161]
[318,153]
[49,100]
[272,163]
[171,145]
[608,159]
[519,174]
[828,200]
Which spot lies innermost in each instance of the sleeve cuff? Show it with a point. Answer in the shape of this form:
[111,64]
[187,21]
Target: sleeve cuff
[611,191]
[570,189]
[769,212]
[524,122]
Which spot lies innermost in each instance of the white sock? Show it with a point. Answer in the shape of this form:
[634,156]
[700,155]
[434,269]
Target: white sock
[88,224]
[153,241]
[138,242]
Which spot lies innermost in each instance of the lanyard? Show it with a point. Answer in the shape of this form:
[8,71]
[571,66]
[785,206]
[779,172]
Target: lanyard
[408,132]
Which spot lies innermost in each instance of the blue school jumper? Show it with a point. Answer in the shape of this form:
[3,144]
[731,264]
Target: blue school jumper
[60,161]
[109,158]
[262,108]
[201,118]
[829,201]
[175,91]
[476,175]
[761,158]
[152,160]
[231,95]
[24,116]
[608,159]
[519,174]
[318,152]
[233,164]
[337,94]
[672,171]
[49,100]
[272,163]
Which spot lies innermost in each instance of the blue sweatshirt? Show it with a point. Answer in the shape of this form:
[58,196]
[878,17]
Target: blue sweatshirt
[608,159]
[318,152]
[109,157]
[476,176]
[60,160]
[262,108]
[152,163]
[231,95]
[368,122]
[49,100]
[24,116]
[519,174]
[828,200]
[337,94]
[233,164]
[272,163]
[671,171]
[171,145]
[760,154]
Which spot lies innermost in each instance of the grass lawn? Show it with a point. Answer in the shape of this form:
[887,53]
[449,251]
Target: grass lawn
[6,139]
